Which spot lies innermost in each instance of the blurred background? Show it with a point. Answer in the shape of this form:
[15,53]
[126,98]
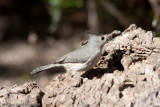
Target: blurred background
[37,32]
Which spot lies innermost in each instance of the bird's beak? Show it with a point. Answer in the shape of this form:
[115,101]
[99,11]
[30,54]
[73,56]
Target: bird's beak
[108,38]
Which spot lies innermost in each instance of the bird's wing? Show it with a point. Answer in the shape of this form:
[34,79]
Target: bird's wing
[71,58]
[60,60]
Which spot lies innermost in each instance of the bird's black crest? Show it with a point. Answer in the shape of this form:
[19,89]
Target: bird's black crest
[94,33]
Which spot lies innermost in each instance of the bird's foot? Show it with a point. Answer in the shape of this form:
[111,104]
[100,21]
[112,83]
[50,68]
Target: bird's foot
[74,74]
[77,80]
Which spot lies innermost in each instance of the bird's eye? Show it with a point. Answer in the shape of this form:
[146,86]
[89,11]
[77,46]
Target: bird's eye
[102,38]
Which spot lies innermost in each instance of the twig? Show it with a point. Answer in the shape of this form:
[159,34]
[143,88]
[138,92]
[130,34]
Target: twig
[155,7]
[108,6]
[92,15]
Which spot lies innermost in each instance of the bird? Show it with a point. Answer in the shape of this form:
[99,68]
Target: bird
[82,59]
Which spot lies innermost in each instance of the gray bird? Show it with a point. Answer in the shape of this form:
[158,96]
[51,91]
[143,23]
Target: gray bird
[82,59]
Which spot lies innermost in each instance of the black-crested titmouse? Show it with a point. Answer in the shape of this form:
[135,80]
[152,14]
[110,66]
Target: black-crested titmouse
[82,59]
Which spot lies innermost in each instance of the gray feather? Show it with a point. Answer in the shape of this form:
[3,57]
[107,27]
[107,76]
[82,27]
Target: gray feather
[46,67]
[78,56]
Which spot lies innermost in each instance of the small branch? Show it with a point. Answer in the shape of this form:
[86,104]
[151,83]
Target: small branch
[155,7]
[92,15]
[108,6]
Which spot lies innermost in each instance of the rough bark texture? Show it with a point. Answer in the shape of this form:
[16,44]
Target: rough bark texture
[128,74]
[21,96]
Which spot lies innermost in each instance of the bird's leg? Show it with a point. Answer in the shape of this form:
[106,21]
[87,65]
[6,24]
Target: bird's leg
[73,73]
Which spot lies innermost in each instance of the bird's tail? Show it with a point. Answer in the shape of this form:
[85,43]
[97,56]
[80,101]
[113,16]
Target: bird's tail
[42,68]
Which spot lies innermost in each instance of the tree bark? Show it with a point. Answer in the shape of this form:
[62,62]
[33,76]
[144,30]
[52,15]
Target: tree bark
[126,75]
